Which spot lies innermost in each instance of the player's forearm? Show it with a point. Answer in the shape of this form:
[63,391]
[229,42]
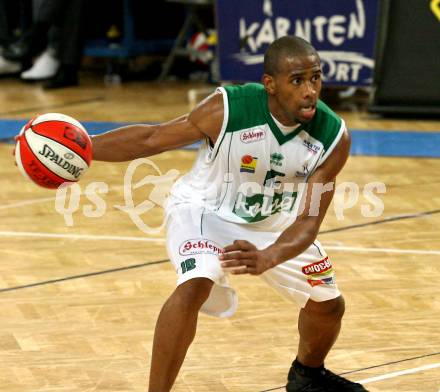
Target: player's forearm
[293,241]
[124,144]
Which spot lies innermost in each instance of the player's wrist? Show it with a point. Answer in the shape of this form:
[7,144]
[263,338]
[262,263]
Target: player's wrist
[274,255]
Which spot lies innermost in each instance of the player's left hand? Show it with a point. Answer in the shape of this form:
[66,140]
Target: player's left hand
[243,257]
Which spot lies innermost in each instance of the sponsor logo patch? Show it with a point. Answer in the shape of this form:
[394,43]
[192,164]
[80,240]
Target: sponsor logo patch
[318,268]
[276,159]
[314,148]
[199,246]
[305,171]
[248,164]
[188,265]
[253,136]
[319,272]
[317,282]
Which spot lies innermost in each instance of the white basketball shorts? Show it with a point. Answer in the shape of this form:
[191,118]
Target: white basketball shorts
[196,238]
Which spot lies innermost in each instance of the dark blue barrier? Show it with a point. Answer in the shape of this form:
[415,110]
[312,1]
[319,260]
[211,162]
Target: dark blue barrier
[364,142]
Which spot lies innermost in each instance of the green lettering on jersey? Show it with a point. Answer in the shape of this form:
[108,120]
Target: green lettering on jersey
[258,207]
[271,181]
[188,265]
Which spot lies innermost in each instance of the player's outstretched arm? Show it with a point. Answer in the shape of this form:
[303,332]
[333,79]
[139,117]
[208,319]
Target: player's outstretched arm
[137,141]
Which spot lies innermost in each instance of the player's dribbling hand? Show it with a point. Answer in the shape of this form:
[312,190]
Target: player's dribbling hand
[243,257]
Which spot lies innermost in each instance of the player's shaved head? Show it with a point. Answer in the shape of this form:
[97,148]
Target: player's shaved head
[288,46]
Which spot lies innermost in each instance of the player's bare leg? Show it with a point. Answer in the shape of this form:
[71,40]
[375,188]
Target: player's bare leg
[175,331]
[319,325]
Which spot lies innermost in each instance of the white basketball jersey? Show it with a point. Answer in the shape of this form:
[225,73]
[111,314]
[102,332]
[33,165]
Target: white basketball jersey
[255,174]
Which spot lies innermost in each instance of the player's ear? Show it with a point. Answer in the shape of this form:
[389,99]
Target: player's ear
[269,83]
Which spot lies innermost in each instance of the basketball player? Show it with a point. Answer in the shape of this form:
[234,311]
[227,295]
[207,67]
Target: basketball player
[252,204]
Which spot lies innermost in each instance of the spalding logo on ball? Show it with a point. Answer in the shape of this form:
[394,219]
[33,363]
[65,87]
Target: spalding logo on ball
[53,149]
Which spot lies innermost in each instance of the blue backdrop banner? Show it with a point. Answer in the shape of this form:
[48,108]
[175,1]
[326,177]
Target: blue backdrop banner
[343,31]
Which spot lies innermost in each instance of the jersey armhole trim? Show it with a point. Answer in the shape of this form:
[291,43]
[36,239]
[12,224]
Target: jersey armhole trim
[334,143]
[214,151]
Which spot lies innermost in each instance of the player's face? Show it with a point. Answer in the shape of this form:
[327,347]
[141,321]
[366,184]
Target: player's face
[296,89]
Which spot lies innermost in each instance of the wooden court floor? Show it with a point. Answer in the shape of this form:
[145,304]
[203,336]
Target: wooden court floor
[78,303]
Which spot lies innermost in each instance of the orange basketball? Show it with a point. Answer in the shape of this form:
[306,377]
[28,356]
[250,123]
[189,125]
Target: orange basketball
[53,149]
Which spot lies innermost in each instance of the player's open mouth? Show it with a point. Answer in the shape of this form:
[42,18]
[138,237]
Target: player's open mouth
[308,112]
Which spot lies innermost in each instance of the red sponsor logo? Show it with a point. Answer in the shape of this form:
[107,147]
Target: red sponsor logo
[253,136]
[317,268]
[198,246]
[246,159]
[317,282]
[248,164]
[314,283]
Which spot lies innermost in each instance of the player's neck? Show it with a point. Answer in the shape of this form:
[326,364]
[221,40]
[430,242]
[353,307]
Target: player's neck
[285,129]
[278,114]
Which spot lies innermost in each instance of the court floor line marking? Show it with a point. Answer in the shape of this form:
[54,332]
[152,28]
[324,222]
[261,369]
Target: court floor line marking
[391,363]
[381,221]
[382,250]
[344,228]
[56,106]
[79,236]
[92,237]
[387,376]
[370,367]
[40,200]
[27,202]
[86,275]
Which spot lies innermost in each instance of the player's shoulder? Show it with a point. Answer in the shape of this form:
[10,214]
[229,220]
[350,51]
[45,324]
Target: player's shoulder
[248,90]
[326,116]
[325,122]
[244,106]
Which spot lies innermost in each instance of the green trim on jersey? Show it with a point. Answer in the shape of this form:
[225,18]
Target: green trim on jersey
[325,125]
[248,107]
[245,106]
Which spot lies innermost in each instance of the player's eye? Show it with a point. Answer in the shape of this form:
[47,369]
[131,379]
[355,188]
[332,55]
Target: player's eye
[296,81]
[316,77]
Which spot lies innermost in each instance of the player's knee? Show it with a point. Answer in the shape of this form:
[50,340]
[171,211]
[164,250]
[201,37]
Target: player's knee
[193,293]
[337,307]
[333,309]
